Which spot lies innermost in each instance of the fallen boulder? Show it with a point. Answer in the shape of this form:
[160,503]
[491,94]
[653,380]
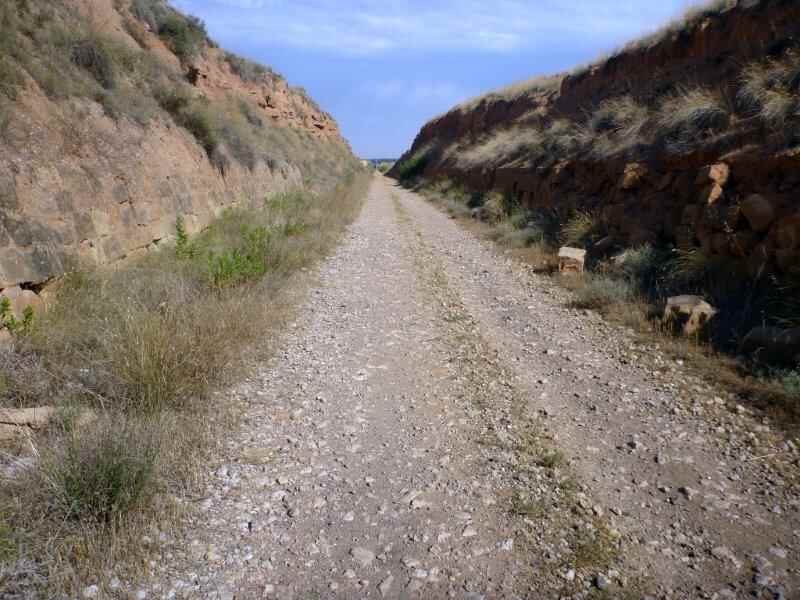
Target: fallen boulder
[571,260]
[689,313]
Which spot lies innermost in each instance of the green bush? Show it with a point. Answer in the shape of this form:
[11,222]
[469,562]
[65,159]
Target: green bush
[149,12]
[246,262]
[104,474]
[9,321]
[184,247]
[415,165]
[184,35]
[190,114]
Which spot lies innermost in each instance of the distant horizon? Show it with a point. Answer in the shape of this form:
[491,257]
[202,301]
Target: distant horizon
[384,71]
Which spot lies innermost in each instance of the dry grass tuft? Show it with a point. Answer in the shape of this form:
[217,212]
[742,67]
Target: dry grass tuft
[617,125]
[770,89]
[689,116]
[541,84]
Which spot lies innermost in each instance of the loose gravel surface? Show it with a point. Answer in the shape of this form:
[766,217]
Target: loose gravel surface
[439,424]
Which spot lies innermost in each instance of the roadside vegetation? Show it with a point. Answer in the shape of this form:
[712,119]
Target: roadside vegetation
[630,286]
[130,358]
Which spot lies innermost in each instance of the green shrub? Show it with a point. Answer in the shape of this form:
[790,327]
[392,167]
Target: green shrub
[601,291]
[246,262]
[184,248]
[198,122]
[103,474]
[183,34]
[9,321]
[174,99]
[190,114]
[413,166]
[249,113]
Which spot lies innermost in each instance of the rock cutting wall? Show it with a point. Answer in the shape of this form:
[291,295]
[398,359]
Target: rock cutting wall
[77,186]
[737,194]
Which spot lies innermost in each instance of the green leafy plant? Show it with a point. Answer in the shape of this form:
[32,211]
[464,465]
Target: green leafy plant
[184,248]
[413,166]
[246,262]
[19,327]
[183,34]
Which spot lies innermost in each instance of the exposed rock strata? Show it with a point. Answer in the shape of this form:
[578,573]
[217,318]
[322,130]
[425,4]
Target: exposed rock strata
[735,194]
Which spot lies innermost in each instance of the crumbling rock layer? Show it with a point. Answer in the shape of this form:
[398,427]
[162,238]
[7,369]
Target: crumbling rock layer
[95,190]
[734,194]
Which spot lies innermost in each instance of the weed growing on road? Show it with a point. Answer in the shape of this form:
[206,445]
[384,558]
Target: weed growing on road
[550,508]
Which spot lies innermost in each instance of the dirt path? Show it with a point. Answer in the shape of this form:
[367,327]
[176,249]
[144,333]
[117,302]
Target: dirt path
[438,425]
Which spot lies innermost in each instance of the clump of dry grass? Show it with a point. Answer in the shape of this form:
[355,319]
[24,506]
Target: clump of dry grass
[140,348]
[770,89]
[690,115]
[615,126]
[540,84]
[504,145]
[581,229]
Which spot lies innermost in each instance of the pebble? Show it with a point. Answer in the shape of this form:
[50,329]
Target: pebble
[362,556]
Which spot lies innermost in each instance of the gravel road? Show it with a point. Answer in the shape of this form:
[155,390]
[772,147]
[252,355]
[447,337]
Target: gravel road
[439,424]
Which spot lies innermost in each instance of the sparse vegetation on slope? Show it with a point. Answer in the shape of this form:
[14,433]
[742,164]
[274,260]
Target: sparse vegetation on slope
[631,286]
[128,358]
[68,57]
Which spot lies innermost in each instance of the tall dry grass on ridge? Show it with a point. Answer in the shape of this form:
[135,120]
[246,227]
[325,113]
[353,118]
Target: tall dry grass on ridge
[130,358]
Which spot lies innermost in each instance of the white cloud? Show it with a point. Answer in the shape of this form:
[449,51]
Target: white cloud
[359,27]
[415,93]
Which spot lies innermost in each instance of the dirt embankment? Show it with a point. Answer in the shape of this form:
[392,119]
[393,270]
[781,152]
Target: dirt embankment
[688,137]
[100,176]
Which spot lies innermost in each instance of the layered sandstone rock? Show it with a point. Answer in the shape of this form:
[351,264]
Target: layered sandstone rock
[77,186]
[735,194]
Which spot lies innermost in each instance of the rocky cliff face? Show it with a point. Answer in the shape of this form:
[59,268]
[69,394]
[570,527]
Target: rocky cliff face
[690,137]
[101,174]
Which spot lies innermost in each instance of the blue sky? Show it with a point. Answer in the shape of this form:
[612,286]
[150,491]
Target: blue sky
[383,68]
